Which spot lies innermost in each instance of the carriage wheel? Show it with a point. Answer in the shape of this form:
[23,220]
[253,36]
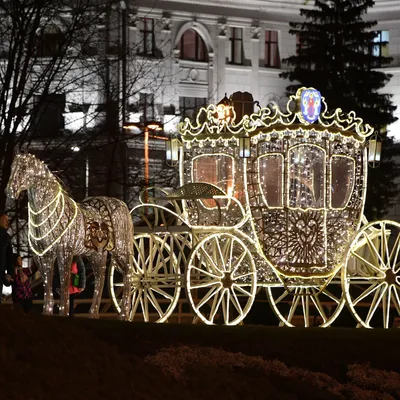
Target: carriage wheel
[221,279]
[371,277]
[156,283]
[306,305]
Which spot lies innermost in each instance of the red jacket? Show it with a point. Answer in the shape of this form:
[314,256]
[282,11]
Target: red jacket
[77,270]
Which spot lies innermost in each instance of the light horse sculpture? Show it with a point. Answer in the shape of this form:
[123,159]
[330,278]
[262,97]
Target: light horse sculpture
[61,228]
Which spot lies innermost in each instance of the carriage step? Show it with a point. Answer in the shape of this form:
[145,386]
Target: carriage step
[162,229]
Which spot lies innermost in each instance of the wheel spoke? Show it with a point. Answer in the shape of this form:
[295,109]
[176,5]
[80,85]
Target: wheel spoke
[216,303]
[211,275]
[367,263]
[236,303]
[221,256]
[154,303]
[240,289]
[293,306]
[318,305]
[386,307]
[158,290]
[225,307]
[212,292]
[371,289]
[394,254]
[374,305]
[145,305]
[243,276]
[306,307]
[206,284]
[327,293]
[396,299]
[374,252]
[282,296]
[384,246]
[238,262]
[211,262]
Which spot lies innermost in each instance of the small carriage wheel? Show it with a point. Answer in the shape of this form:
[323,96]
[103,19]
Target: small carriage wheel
[371,276]
[221,279]
[156,283]
[307,304]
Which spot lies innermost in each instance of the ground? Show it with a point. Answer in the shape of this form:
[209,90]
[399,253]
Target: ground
[63,358]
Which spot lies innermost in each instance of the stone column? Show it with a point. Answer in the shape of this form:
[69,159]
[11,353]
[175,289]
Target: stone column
[255,59]
[222,28]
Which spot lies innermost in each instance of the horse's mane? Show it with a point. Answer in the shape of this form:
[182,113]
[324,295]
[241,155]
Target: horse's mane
[51,173]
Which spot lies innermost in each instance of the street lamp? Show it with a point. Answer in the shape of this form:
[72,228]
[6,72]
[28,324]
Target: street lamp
[374,151]
[172,151]
[148,128]
[244,147]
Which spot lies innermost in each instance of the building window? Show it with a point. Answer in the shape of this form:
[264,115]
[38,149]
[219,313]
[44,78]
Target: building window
[147,106]
[380,47]
[49,42]
[192,47]
[299,44]
[243,104]
[49,114]
[236,48]
[146,45]
[189,106]
[271,49]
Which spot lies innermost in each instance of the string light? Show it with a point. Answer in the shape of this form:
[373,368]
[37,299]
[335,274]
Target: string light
[303,191]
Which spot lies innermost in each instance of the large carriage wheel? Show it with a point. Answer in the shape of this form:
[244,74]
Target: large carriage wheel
[371,277]
[307,304]
[221,279]
[156,283]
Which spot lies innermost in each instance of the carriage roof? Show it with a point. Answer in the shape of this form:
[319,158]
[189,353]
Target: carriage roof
[217,123]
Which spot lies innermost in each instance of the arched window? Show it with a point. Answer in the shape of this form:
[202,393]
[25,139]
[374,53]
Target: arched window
[342,180]
[217,169]
[50,41]
[306,180]
[192,46]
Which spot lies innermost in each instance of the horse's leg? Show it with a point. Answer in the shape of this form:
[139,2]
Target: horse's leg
[126,293]
[64,260]
[46,268]
[98,262]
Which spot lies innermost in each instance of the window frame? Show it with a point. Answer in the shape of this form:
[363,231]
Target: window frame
[216,156]
[145,33]
[198,103]
[268,46]
[199,41]
[233,41]
[282,199]
[330,180]
[145,104]
[323,175]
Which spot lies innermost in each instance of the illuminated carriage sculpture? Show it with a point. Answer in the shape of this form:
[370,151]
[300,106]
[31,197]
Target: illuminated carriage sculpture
[272,201]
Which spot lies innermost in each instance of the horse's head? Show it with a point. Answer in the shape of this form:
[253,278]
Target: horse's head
[25,170]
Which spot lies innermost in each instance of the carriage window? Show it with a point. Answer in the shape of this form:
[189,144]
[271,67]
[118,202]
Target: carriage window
[270,170]
[217,169]
[306,180]
[342,180]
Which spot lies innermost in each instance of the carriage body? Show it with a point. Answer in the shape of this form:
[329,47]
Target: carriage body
[270,201]
[302,186]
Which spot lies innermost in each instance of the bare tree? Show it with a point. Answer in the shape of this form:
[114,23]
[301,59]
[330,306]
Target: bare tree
[71,75]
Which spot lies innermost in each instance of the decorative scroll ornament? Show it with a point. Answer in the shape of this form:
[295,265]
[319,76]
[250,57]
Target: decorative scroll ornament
[209,126]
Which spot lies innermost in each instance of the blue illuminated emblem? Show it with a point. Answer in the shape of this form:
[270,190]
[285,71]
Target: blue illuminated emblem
[310,105]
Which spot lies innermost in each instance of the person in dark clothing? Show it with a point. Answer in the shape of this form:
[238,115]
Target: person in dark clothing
[6,253]
[77,283]
[21,285]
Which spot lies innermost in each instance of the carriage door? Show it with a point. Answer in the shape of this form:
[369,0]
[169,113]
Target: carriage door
[305,204]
